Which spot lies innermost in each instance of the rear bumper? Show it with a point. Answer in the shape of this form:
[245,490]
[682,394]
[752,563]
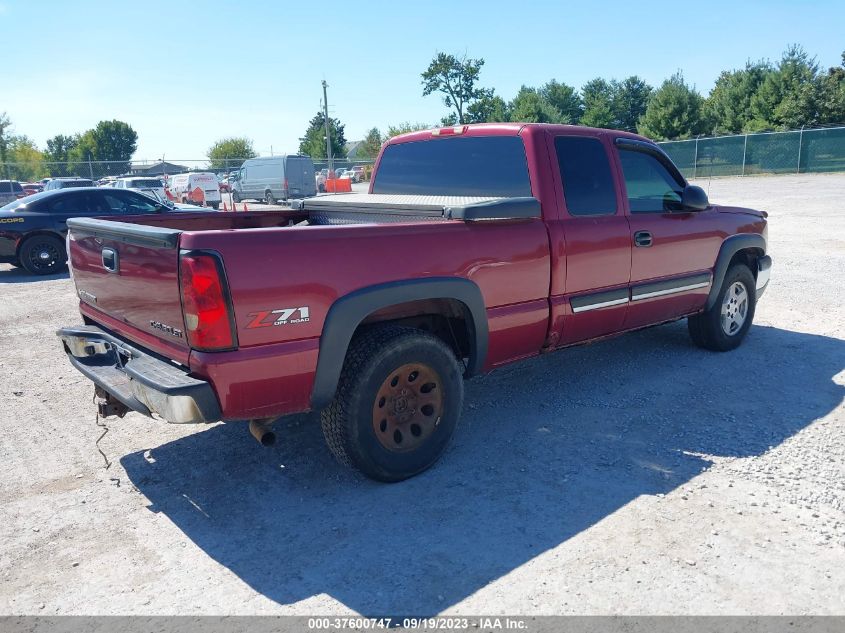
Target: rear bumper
[764,273]
[144,382]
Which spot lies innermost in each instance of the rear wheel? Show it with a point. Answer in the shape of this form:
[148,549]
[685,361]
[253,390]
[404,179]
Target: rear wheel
[397,404]
[43,255]
[236,197]
[269,198]
[725,324]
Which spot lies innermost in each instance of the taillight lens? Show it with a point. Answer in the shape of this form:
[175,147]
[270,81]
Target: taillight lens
[286,184]
[208,318]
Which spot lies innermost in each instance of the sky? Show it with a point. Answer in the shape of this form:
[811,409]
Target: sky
[184,74]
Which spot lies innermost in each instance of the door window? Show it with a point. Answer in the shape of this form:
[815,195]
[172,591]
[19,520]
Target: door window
[650,186]
[585,172]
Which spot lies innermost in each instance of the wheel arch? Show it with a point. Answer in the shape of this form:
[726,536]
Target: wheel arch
[363,306]
[745,247]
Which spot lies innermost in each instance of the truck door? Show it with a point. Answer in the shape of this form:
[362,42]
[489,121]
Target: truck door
[591,243]
[673,249]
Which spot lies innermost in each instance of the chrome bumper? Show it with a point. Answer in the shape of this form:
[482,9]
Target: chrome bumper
[140,380]
[764,273]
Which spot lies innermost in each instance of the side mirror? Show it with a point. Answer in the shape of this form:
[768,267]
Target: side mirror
[694,199]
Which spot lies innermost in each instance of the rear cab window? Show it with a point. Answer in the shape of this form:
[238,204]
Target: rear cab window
[588,186]
[493,166]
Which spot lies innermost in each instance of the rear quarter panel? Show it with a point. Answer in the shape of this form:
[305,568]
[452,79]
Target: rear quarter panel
[273,269]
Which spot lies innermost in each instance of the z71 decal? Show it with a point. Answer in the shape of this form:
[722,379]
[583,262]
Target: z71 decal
[283,316]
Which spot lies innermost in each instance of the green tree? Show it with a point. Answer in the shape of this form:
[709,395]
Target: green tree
[371,145]
[455,78]
[831,97]
[82,156]
[629,102]
[58,153]
[728,107]
[565,99]
[529,106]
[787,97]
[27,159]
[230,153]
[405,127]
[5,136]
[112,141]
[598,97]
[313,144]
[490,108]
[674,111]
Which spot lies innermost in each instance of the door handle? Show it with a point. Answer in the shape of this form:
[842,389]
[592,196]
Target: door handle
[642,238]
[111,261]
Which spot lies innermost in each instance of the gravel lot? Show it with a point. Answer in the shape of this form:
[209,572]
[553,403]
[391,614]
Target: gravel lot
[635,476]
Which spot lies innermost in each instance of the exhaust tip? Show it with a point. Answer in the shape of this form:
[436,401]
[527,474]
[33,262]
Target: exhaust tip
[261,431]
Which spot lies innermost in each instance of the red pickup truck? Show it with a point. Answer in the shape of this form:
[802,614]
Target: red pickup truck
[475,247]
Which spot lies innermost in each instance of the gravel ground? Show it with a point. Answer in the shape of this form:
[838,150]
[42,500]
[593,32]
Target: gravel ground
[634,476]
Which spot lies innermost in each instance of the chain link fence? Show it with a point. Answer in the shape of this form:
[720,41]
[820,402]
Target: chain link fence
[795,152]
[798,151]
[99,170]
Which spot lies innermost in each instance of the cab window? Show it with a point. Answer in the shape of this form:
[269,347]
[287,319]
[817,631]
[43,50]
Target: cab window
[651,187]
[585,173]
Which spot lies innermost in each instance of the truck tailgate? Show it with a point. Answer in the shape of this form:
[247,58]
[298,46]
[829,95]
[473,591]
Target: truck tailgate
[130,274]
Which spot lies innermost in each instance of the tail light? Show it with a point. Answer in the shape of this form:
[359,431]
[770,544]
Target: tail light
[206,303]
[286,184]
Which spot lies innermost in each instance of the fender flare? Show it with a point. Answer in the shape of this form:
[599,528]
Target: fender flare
[730,247]
[347,313]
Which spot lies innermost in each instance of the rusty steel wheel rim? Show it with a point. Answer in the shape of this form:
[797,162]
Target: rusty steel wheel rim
[408,407]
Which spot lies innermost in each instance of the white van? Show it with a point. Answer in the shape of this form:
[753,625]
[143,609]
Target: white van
[144,184]
[195,187]
[275,178]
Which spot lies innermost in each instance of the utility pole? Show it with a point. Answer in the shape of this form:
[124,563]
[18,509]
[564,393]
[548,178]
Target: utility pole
[328,129]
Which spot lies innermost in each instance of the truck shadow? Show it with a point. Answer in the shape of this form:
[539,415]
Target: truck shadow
[546,449]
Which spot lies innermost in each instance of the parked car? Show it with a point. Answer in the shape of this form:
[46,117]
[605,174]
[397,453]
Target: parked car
[195,188]
[275,178]
[373,307]
[145,184]
[320,181]
[30,188]
[33,229]
[223,183]
[358,170]
[10,190]
[65,183]
[338,173]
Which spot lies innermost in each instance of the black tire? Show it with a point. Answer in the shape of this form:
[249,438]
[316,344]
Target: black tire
[373,362]
[236,197]
[321,189]
[269,198]
[215,205]
[709,330]
[15,264]
[43,255]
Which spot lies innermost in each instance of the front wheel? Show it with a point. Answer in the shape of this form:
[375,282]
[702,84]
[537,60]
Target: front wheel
[725,324]
[43,255]
[397,404]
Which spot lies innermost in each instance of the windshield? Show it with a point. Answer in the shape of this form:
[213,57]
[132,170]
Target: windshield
[146,182]
[457,166]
